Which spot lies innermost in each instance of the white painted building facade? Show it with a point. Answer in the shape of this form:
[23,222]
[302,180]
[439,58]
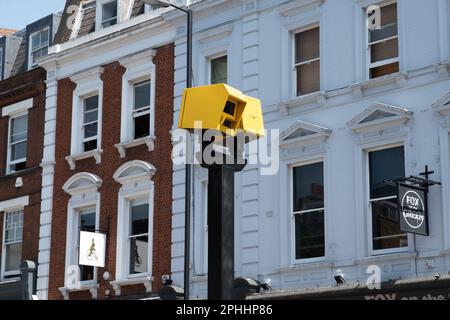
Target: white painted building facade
[358,102]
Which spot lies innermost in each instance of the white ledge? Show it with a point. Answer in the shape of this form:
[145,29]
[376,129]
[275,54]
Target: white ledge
[320,98]
[399,79]
[149,141]
[93,289]
[386,258]
[306,266]
[96,154]
[146,281]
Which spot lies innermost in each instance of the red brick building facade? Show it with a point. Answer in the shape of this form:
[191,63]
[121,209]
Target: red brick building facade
[27,89]
[112,79]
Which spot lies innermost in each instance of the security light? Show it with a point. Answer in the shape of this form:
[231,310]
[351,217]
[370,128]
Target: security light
[167,280]
[106,275]
[339,278]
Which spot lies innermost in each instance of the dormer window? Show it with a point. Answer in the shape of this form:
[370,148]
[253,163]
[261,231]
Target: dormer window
[109,14]
[38,46]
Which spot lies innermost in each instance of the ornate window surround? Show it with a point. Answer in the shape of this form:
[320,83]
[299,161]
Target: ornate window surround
[83,188]
[136,180]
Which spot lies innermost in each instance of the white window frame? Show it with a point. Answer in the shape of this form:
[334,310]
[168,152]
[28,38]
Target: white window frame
[369,64]
[74,229]
[126,237]
[139,68]
[32,65]
[99,13]
[136,180]
[9,163]
[210,60]
[292,214]
[84,125]
[83,188]
[294,32]
[146,110]
[3,272]
[369,201]
[201,225]
[88,84]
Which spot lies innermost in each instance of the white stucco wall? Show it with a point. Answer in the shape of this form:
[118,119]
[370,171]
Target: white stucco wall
[256,36]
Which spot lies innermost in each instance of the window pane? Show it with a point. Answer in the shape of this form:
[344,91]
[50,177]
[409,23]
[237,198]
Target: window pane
[19,125]
[308,78]
[109,10]
[139,218]
[90,130]
[386,226]
[383,33]
[307,45]
[385,165]
[384,50]
[219,70]
[90,116]
[389,15]
[90,145]
[91,103]
[384,70]
[19,151]
[142,126]
[18,166]
[308,187]
[44,51]
[309,235]
[86,273]
[87,222]
[35,41]
[13,256]
[44,37]
[138,255]
[142,95]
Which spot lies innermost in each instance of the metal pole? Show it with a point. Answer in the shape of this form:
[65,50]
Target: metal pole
[220,232]
[187,235]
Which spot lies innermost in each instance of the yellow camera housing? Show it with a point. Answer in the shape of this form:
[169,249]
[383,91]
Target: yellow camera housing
[222,108]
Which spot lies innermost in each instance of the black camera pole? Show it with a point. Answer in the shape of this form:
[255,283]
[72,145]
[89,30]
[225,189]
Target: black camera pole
[221,223]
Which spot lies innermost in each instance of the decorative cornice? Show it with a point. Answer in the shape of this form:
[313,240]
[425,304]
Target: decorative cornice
[138,57]
[297,6]
[93,73]
[443,105]
[214,34]
[398,116]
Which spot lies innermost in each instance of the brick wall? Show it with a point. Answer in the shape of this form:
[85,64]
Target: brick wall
[22,87]
[111,161]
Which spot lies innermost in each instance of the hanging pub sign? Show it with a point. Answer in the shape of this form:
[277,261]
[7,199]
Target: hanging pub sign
[413,209]
[92,249]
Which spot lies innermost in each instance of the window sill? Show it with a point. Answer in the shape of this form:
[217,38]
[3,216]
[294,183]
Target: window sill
[398,79]
[378,257]
[319,99]
[96,154]
[310,264]
[122,147]
[92,287]
[146,281]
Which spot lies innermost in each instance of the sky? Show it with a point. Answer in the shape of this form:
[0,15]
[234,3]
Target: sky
[16,14]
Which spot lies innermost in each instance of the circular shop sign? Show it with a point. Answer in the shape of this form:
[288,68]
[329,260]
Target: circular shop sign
[412,209]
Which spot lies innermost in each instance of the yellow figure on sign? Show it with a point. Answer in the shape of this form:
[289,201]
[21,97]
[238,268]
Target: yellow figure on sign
[91,252]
